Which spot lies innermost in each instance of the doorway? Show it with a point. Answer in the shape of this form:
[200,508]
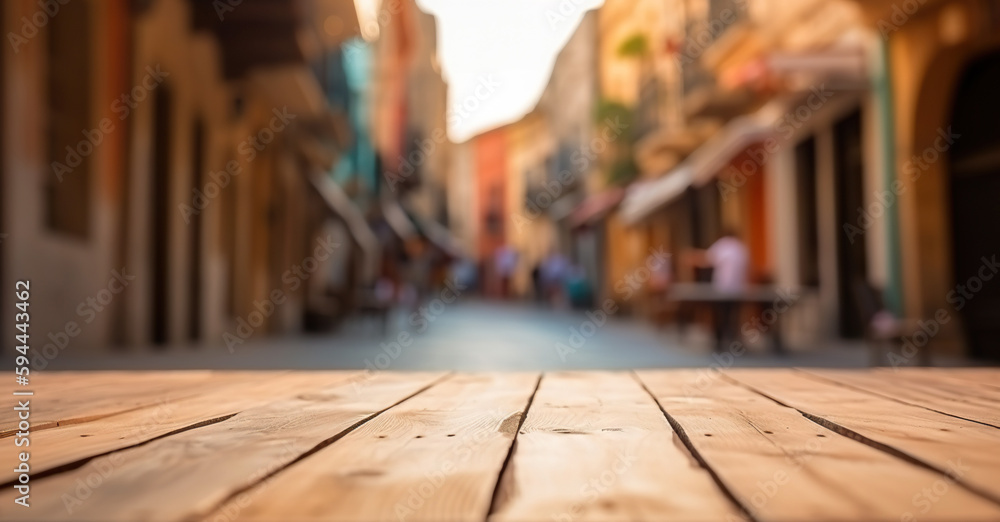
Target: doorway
[974,165]
[852,255]
[159,198]
[197,234]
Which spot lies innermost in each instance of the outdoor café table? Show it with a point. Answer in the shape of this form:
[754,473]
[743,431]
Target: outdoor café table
[767,297]
[646,445]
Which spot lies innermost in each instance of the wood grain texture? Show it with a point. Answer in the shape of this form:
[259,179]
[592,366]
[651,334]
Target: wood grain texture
[976,377]
[783,467]
[949,396]
[72,398]
[912,444]
[435,457]
[595,446]
[64,445]
[962,449]
[190,473]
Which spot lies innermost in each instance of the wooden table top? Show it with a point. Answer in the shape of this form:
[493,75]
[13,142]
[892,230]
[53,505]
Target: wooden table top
[698,444]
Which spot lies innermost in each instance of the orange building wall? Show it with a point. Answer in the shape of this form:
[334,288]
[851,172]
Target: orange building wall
[491,191]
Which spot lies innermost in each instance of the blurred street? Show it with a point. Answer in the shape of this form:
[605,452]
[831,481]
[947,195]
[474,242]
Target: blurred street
[284,184]
[480,336]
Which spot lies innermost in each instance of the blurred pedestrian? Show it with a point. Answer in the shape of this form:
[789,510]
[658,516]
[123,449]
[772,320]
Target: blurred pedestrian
[505,261]
[553,275]
[730,260]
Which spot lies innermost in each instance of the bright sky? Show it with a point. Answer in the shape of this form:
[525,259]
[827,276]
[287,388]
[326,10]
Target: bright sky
[497,55]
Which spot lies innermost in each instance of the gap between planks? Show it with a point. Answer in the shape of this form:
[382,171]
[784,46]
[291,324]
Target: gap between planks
[919,458]
[137,465]
[498,487]
[890,386]
[688,443]
[72,446]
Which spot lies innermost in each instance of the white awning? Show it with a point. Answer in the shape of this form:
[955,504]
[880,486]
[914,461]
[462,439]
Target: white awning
[740,133]
[704,163]
[642,198]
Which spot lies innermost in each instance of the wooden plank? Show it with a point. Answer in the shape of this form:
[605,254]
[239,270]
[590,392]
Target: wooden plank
[934,393]
[963,449]
[187,474]
[64,445]
[595,446]
[969,378]
[782,467]
[72,400]
[435,457]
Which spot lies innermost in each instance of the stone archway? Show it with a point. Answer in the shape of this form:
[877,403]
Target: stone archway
[974,183]
[927,145]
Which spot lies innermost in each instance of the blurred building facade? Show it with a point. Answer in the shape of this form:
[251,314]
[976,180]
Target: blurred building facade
[414,152]
[942,64]
[158,167]
[802,126]
[533,173]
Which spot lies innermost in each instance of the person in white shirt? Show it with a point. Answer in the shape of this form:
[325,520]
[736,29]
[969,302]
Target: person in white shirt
[730,262]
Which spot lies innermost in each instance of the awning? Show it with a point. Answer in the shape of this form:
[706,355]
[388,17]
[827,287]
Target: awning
[407,225]
[843,67]
[709,160]
[341,205]
[644,197]
[595,207]
[441,237]
[397,218]
[706,162]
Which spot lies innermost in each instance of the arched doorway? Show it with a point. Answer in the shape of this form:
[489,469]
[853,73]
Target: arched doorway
[974,167]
